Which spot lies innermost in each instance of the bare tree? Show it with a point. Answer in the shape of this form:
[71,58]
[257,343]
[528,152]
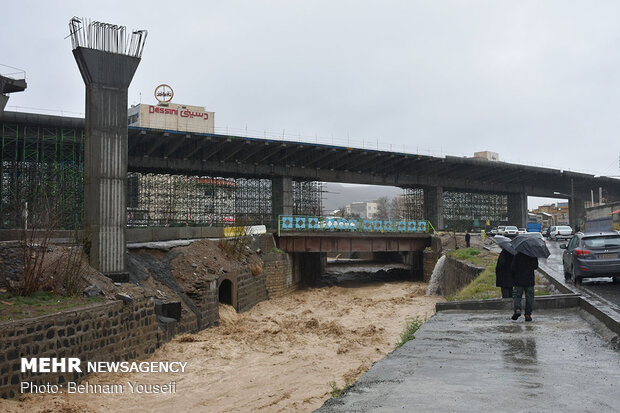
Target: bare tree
[397,208]
[383,208]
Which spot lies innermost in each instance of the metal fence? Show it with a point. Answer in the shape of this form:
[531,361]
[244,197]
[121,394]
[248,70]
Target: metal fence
[318,224]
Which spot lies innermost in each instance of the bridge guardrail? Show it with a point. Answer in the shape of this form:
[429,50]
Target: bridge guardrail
[322,224]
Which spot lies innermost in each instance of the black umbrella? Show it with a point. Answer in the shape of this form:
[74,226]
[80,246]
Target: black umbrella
[532,246]
[504,242]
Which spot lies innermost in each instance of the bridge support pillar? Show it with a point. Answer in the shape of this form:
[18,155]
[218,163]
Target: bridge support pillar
[281,198]
[107,77]
[517,209]
[576,213]
[433,206]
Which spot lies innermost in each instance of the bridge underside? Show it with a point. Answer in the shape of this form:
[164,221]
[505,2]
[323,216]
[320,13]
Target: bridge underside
[343,242]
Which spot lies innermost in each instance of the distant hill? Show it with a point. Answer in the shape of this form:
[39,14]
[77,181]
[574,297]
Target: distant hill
[338,195]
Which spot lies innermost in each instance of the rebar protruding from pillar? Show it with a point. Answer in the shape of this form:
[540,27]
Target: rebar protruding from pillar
[106,37]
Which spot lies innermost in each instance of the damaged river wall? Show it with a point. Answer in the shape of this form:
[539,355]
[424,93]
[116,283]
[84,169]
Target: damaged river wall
[133,327]
[451,275]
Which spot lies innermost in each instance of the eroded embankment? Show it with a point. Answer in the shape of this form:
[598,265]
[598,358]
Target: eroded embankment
[279,356]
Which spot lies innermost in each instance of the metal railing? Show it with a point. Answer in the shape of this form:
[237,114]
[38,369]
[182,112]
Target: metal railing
[337,224]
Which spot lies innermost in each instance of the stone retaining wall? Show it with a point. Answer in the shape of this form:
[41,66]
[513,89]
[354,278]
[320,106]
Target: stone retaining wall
[430,259]
[251,290]
[457,274]
[279,277]
[111,331]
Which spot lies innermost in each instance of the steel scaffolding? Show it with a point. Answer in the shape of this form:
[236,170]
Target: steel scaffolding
[468,210]
[412,206]
[178,200]
[43,169]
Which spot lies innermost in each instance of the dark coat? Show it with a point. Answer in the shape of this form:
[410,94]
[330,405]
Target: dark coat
[503,276]
[522,268]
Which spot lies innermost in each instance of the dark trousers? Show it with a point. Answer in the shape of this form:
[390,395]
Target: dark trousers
[506,292]
[529,298]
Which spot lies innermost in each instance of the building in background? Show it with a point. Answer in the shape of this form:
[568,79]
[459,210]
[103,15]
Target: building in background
[166,115]
[558,213]
[603,218]
[487,155]
[361,209]
[172,116]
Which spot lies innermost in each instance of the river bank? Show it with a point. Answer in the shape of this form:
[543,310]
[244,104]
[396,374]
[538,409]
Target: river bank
[279,356]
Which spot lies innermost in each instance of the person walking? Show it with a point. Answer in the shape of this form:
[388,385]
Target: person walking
[522,268]
[503,276]
[467,239]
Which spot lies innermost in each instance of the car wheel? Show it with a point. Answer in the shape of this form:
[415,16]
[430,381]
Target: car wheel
[576,280]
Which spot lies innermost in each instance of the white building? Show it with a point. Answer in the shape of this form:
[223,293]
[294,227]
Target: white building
[172,116]
[362,209]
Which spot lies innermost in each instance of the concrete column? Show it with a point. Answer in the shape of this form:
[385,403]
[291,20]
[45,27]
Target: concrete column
[107,77]
[3,100]
[281,198]
[576,212]
[433,206]
[517,210]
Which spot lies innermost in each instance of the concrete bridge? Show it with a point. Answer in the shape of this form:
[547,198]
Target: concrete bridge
[309,239]
[173,152]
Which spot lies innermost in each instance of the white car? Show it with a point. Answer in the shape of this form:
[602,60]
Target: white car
[511,231]
[500,230]
[560,231]
[532,234]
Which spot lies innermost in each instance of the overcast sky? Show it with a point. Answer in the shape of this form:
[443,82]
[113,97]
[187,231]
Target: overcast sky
[536,81]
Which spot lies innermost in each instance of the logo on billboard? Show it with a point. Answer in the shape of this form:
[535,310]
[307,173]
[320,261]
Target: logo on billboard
[164,93]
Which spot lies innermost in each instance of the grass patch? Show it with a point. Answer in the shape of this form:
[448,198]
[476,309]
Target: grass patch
[474,256]
[277,251]
[14,307]
[481,288]
[464,254]
[337,391]
[409,331]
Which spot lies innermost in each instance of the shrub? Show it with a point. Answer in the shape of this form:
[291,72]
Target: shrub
[337,391]
[409,331]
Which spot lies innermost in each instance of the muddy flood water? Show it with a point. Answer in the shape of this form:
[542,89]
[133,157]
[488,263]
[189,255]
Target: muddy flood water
[277,357]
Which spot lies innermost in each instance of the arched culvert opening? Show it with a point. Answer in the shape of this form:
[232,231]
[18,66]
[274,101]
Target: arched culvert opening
[226,292]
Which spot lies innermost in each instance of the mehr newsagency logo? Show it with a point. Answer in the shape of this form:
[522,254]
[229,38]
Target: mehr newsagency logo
[75,365]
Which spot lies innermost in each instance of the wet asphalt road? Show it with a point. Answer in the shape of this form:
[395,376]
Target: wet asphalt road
[601,287]
[482,361]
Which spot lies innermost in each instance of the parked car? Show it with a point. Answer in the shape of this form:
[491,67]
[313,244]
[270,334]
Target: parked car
[511,231]
[522,231]
[494,231]
[533,234]
[560,231]
[592,255]
[500,230]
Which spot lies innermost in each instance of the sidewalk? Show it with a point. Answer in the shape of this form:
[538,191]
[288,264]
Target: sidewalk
[482,361]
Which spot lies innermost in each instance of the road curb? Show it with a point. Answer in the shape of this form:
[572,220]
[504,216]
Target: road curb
[542,302]
[599,309]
